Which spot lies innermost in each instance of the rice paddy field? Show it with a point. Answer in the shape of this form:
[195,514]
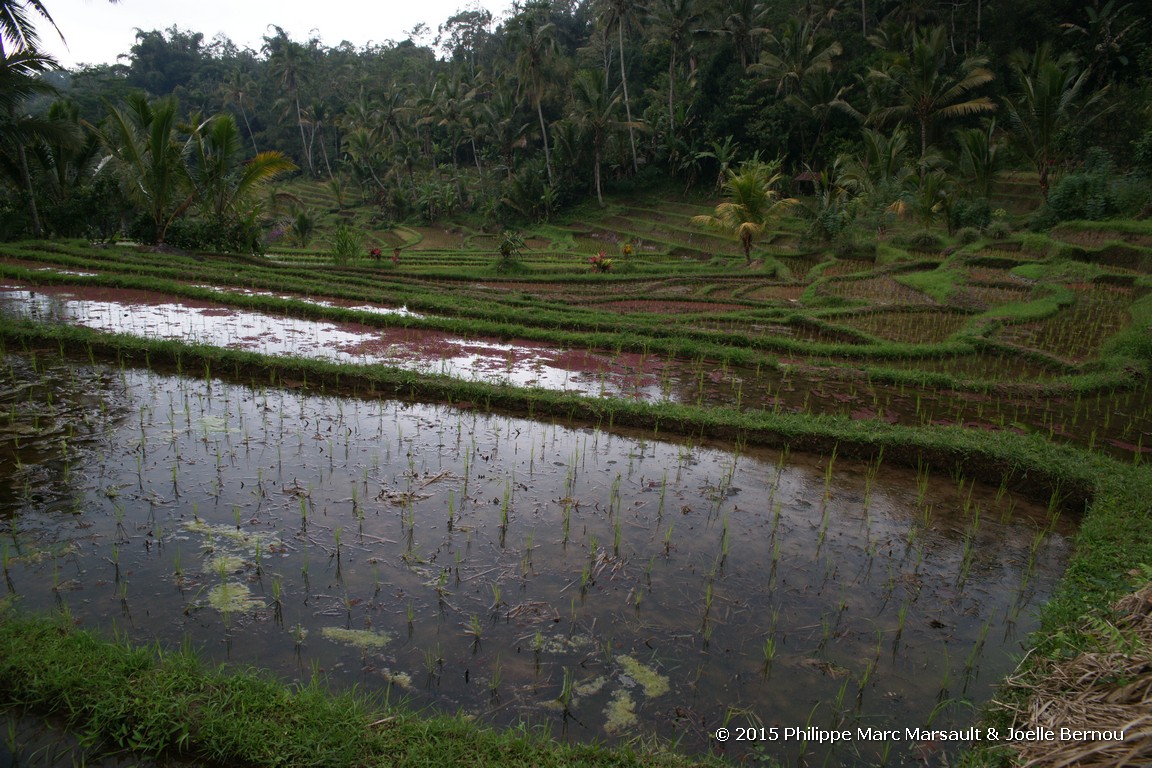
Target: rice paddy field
[819,491]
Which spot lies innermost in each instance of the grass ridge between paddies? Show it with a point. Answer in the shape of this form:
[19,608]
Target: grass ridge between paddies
[156,703]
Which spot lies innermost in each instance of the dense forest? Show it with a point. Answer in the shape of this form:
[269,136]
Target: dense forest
[861,109]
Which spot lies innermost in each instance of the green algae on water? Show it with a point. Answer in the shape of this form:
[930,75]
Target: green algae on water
[233,597]
[653,683]
[364,639]
[620,713]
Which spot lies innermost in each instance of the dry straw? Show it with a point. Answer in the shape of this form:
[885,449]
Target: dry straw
[1108,690]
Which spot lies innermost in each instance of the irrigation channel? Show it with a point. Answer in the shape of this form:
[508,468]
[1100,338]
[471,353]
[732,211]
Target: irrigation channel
[1117,422]
[602,584]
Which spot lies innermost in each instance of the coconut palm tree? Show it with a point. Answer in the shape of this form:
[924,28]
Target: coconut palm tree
[288,61]
[926,88]
[621,14]
[743,22]
[144,143]
[20,78]
[235,88]
[226,187]
[595,109]
[980,159]
[799,52]
[676,21]
[753,203]
[1052,95]
[534,39]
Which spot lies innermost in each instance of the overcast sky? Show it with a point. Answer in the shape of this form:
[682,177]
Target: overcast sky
[97,31]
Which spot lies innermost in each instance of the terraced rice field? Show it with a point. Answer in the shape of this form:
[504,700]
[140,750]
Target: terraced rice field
[635,503]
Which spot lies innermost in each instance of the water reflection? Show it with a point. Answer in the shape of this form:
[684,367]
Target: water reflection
[606,584]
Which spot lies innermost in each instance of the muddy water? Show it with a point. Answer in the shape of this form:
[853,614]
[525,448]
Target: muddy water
[1120,423]
[601,584]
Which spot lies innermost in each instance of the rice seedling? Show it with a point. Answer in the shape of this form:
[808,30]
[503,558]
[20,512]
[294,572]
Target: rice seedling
[768,651]
[901,618]
[474,631]
[494,679]
[433,663]
[828,469]
[567,687]
[922,478]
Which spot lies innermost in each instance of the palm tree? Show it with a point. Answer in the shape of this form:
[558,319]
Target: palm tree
[234,89]
[143,141]
[286,58]
[980,158]
[505,124]
[676,21]
[753,203]
[449,107]
[225,187]
[621,14]
[743,22]
[20,73]
[595,108]
[61,164]
[795,55]
[535,40]
[1052,95]
[919,80]
[21,67]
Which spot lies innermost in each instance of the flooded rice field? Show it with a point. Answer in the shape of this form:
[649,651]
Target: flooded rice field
[598,584]
[1116,422]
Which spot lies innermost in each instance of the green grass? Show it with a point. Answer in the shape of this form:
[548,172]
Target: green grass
[938,283]
[153,702]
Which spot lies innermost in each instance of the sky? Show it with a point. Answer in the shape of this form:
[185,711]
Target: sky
[97,31]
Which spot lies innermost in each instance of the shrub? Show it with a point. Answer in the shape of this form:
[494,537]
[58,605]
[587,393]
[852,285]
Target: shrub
[970,212]
[1097,192]
[924,240]
[345,244]
[196,234]
[303,225]
[511,246]
[998,230]
[967,235]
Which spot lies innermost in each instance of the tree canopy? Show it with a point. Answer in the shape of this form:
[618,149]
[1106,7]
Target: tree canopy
[506,118]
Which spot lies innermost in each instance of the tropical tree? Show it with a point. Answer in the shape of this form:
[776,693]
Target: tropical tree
[62,159]
[753,204]
[289,63]
[743,23]
[594,107]
[16,23]
[235,90]
[505,124]
[795,55]
[926,88]
[449,107]
[623,14]
[20,72]
[980,159]
[676,21]
[534,39]
[723,153]
[149,154]
[1052,97]
[226,187]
